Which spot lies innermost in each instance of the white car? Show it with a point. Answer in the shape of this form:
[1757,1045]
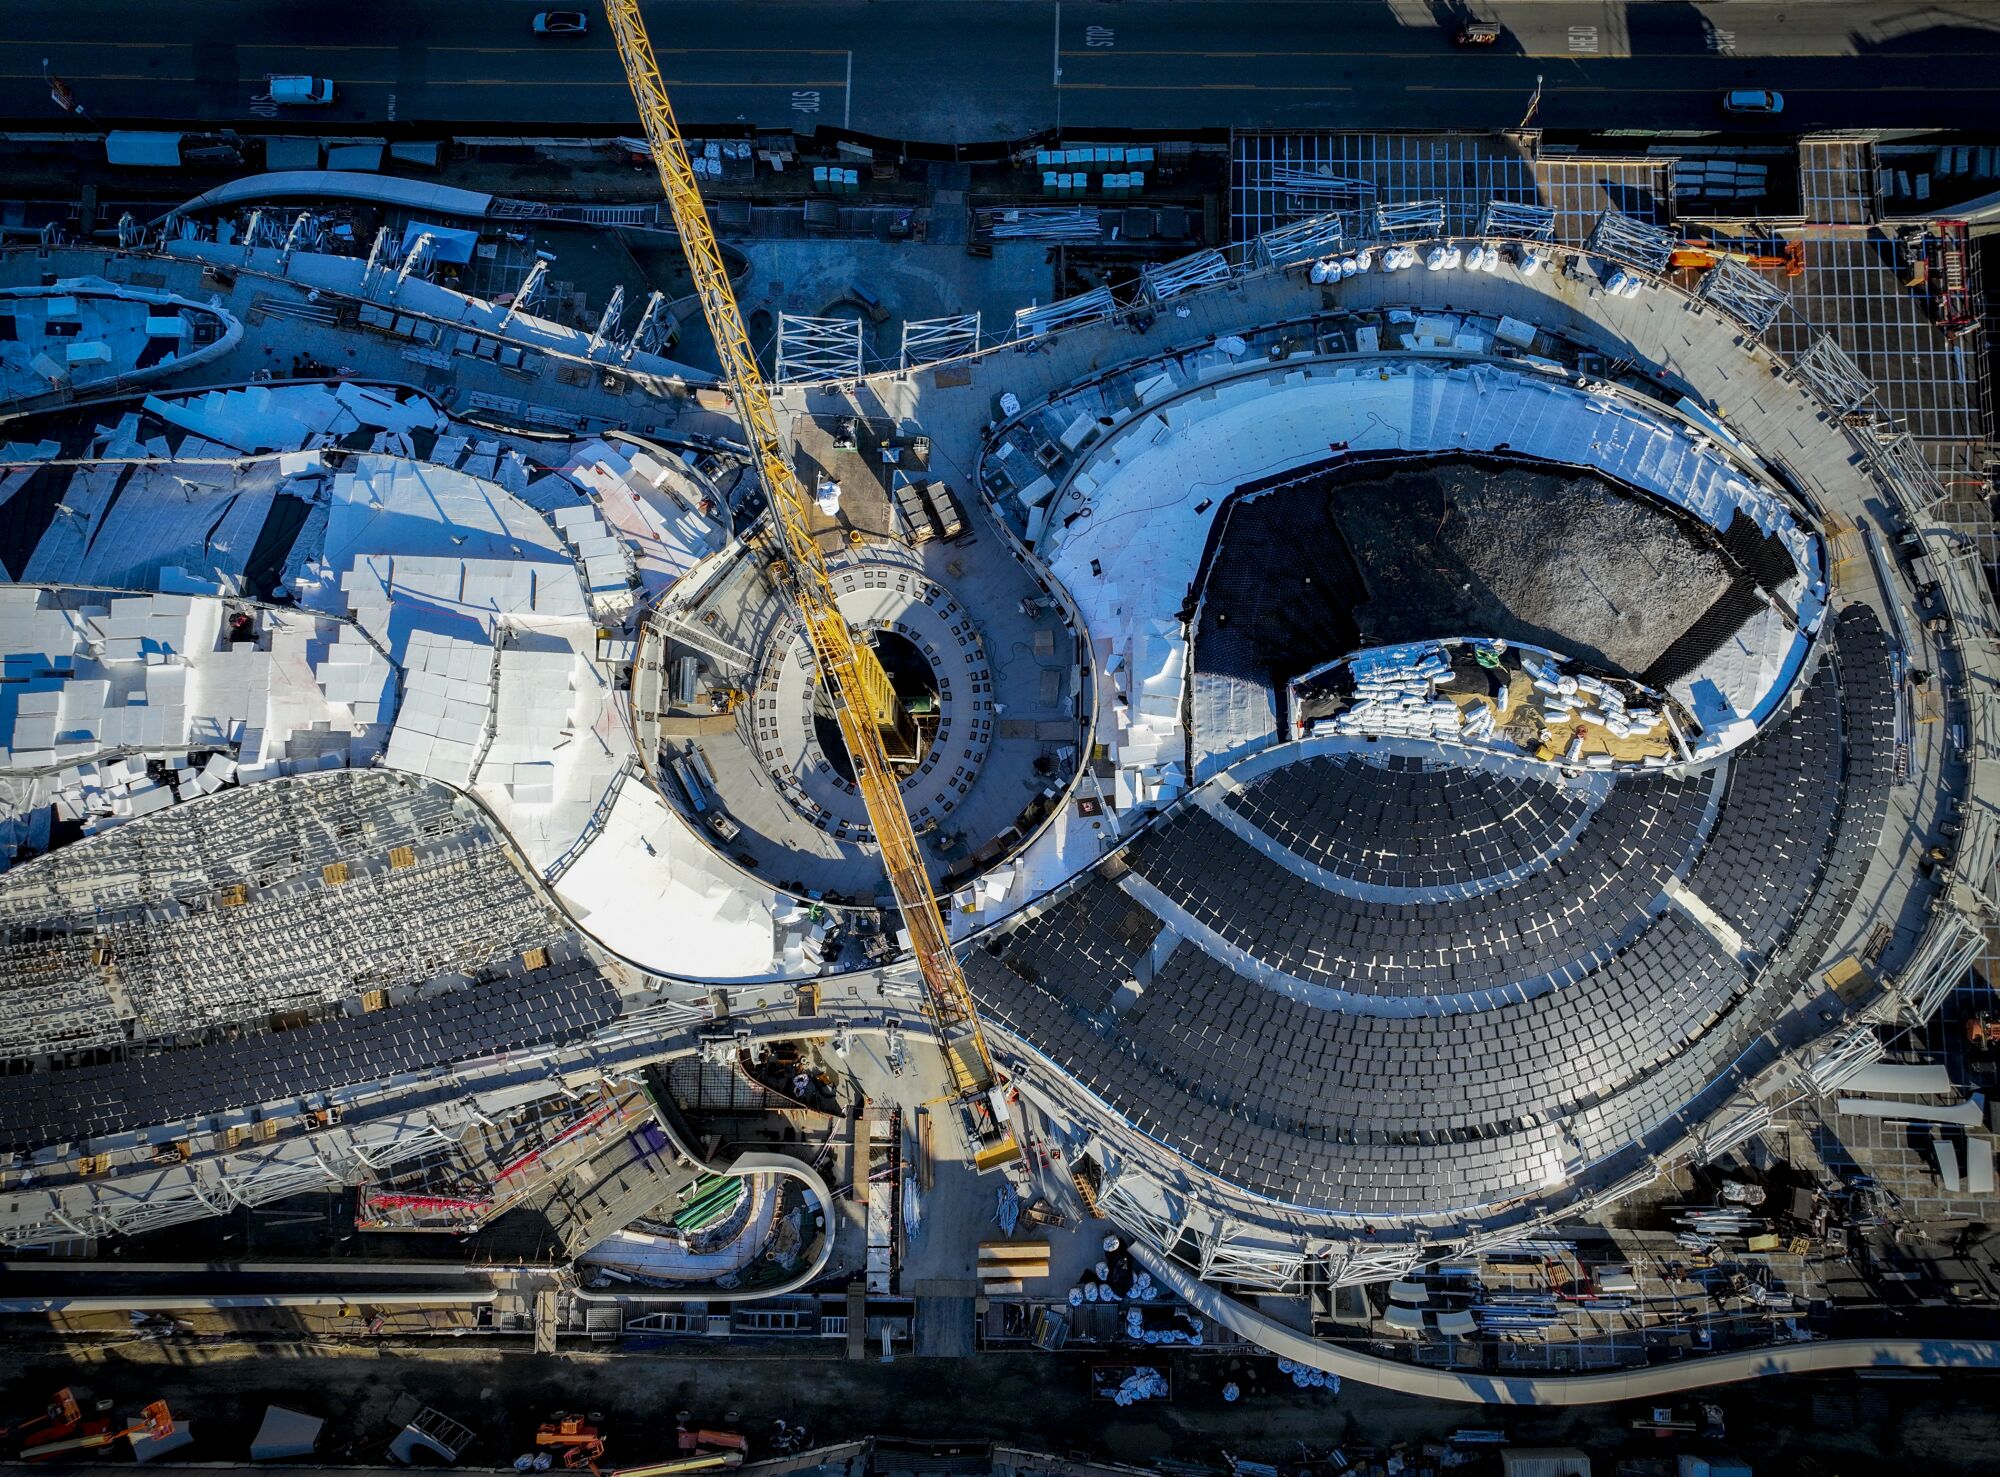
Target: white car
[561,23]
[302,92]
[1753,100]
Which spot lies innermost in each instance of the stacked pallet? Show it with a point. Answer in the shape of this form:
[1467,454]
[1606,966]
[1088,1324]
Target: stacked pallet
[1004,1266]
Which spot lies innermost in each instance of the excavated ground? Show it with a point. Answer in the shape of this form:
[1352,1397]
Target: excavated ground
[1364,554]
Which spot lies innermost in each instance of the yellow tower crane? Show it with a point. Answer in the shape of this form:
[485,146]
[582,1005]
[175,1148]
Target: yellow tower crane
[852,676]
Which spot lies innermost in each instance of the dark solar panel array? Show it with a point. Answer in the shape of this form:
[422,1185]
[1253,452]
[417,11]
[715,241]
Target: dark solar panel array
[1401,823]
[1563,919]
[563,1002]
[1407,1113]
[1374,1113]
[1777,819]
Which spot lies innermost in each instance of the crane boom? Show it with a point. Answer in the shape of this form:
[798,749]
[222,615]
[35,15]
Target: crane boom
[843,670]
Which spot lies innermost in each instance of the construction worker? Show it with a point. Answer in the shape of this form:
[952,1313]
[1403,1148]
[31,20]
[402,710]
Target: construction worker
[1491,658]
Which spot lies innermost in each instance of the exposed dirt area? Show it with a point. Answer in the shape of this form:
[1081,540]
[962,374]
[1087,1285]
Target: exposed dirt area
[1818,1427]
[1370,553]
[1567,562]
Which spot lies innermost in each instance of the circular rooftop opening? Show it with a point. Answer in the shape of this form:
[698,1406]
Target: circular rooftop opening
[916,685]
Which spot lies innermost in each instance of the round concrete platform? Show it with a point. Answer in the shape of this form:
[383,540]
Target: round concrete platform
[877,593]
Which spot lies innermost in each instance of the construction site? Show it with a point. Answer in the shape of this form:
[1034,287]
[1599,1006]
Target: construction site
[1365,772]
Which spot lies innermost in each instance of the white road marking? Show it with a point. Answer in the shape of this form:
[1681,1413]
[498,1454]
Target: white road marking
[1583,40]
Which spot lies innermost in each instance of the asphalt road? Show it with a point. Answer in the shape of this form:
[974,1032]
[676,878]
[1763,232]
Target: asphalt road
[967,71]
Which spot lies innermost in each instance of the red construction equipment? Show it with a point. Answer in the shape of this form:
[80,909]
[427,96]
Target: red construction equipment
[155,1422]
[1951,279]
[579,1441]
[707,1440]
[62,1417]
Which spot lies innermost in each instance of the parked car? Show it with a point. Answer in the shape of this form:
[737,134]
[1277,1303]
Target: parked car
[1477,33]
[1753,100]
[302,92]
[561,23]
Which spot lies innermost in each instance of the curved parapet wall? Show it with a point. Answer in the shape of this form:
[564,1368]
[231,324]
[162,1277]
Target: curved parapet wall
[1826,1356]
[1125,527]
[112,337]
[749,1166]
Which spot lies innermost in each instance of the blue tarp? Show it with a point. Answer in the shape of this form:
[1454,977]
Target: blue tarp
[448,243]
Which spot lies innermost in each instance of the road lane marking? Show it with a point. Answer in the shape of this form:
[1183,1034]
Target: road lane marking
[789,84]
[1228,87]
[1429,55]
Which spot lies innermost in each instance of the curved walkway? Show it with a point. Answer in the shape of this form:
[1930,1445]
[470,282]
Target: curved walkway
[1649,1383]
[341,184]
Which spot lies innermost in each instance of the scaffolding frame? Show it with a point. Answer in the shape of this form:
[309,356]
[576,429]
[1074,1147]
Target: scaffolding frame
[1745,295]
[817,351]
[1171,279]
[1410,218]
[1629,239]
[1946,953]
[1087,307]
[1901,462]
[1741,1120]
[1367,1261]
[1252,1264]
[1833,375]
[1300,241]
[932,340]
[1857,1047]
[1518,221]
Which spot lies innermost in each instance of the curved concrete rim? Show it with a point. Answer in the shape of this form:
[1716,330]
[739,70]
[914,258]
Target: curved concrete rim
[753,1162]
[343,184]
[1694,1373]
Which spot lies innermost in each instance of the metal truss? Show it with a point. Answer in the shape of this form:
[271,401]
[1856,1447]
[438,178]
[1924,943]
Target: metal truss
[1410,218]
[1521,222]
[1947,952]
[1900,460]
[607,325]
[1367,1261]
[1087,307]
[1629,239]
[1229,1256]
[526,300]
[1745,295]
[651,331]
[817,351]
[381,257]
[930,340]
[304,232]
[1072,223]
[1856,1047]
[1171,279]
[1137,1206]
[1740,1120]
[1835,377]
[1300,241]
[1623,1189]
[417,261]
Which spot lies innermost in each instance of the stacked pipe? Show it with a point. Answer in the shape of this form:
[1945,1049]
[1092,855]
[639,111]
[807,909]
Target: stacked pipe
[1588,701]
[1395,693]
